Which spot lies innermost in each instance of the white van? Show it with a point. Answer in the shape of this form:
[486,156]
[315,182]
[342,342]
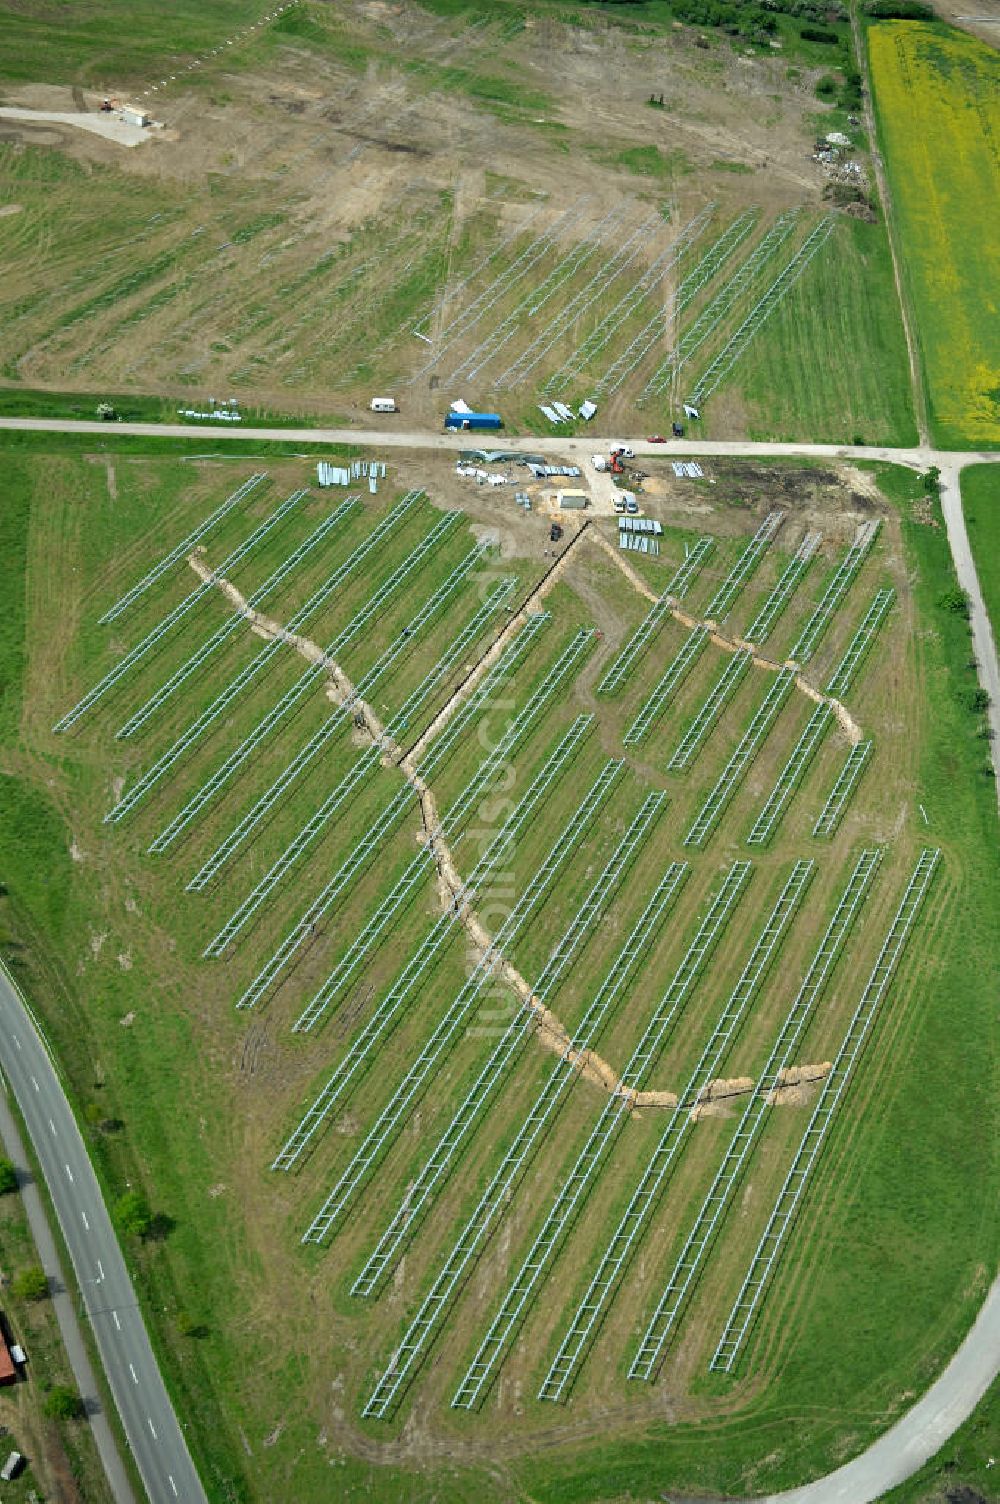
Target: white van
[384,405]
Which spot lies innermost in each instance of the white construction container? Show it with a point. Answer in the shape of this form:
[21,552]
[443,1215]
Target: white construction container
[599,461]
[384,405]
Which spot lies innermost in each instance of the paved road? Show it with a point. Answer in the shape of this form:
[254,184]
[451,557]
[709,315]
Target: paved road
[889,1461]
[62,1303]
[922,1431]
[392,437]
[147,1414]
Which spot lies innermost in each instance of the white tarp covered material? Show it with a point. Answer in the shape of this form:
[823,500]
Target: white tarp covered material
[550,413]
[563,411]
[461,407]
[587,410]
[691,412]
[687,469]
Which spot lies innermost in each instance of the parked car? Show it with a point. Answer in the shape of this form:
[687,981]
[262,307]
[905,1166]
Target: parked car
[656,438]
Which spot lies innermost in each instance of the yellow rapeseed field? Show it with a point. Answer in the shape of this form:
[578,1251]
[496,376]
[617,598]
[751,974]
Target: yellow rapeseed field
[937,94]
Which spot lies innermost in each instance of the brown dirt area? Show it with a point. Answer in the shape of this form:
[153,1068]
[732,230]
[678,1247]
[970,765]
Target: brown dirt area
[378,205]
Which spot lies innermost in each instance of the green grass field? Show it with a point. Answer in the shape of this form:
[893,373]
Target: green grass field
[92,48]
[831,361]
[981,505]
[894,1178]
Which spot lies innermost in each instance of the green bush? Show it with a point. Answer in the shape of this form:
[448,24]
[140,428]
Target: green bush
[955,600]
[31,1283]
[133,1216]
[899,10]
[826,87]
[816,34]
[8,1177]
[63,1403]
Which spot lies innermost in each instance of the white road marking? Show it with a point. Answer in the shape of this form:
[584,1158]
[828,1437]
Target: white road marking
[100,1268]
[35,1084]
[83,1214]
[53,1127]
[16,1040]
[173,1485]
[114,1317]
[150,1425]
[69,1172]
[132,1371]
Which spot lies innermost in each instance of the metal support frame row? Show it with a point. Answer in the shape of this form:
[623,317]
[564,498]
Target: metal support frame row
[193,732]
[490,1207]
[234,839]
[719,606]
[577,1185]
[597,339]
[743,754]
[676,672]
[408,981]
[497,1067]
[362,766]
[394,1114]
[583,300]
[370,932]
[156,634]
[783,1213]
[844,674]
[677,588]
[710,710]
[720,305]
[320,905]
[734,347]
[654,328]
[221,634]
[837,587]
[719,1197]
[536,298]
[468,317]
[181,549]
[308,680]
[844,785]
[763,623]
[644,1199]
[791,775]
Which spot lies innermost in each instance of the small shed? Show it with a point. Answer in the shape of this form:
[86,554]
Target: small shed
[131,115]
[571,501]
